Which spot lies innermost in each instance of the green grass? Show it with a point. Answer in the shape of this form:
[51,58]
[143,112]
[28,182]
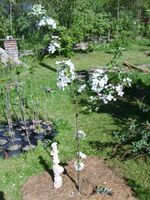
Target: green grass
[136,55]
[13,172]
[98,126]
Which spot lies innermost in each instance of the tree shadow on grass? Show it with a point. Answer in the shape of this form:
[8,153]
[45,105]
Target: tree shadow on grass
[127,107]
[139,191]
[98,146]
[48,67]
[46,167]
[2,196]
[122,111]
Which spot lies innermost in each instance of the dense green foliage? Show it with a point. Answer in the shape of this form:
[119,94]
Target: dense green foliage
[133,140]
[78,20]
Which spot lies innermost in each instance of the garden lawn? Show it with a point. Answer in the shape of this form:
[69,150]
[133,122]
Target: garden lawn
[58,106]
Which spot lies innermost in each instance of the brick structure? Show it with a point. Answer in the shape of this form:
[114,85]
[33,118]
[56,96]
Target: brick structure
[11,47]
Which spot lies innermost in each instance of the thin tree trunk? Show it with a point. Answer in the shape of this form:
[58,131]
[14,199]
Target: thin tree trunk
[77,138]
[118,9]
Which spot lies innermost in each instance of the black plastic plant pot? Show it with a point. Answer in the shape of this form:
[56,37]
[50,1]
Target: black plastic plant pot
[1,153]
[14,152]
[39,136]
[26,147]
[51,135]
[33,140]
[49,131]
[47,127]
[26,138]
[4,142]
[15,148]
[2,131]
[17,136]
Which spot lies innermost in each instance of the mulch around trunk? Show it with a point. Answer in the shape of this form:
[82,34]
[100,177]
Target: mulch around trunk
[96,173]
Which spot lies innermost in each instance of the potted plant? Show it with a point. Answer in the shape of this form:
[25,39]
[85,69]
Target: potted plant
[1,152]
[49,129]
[15,148]
[2,130]
[4,142]
[39,132]
[30,137]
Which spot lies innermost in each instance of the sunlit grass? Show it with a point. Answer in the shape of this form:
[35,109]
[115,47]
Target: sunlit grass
[60,108]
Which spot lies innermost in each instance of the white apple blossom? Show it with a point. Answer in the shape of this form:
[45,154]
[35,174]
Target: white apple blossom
[119,89]
[81,155]
[37,10]
[106,98]
[97,73]
[57,45]
[98,80]
[41,23]
[55,37]
[66,73]
[53,46]
[82,88]
[63,82]
[79,166]
[127,81]
[110,97]
[47,21]
[81,134]
[103,89]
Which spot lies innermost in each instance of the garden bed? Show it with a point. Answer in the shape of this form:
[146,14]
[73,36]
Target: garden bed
[95,175]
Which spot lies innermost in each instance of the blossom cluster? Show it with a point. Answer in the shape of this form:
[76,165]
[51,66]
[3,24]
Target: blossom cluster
[78,164]
[53,45]
[99,82]
[37,10]
[66,73]
[47,21]
[81,88]
[104,90]
[81,134]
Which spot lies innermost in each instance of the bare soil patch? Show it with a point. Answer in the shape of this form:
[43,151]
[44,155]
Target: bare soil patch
[96,173]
